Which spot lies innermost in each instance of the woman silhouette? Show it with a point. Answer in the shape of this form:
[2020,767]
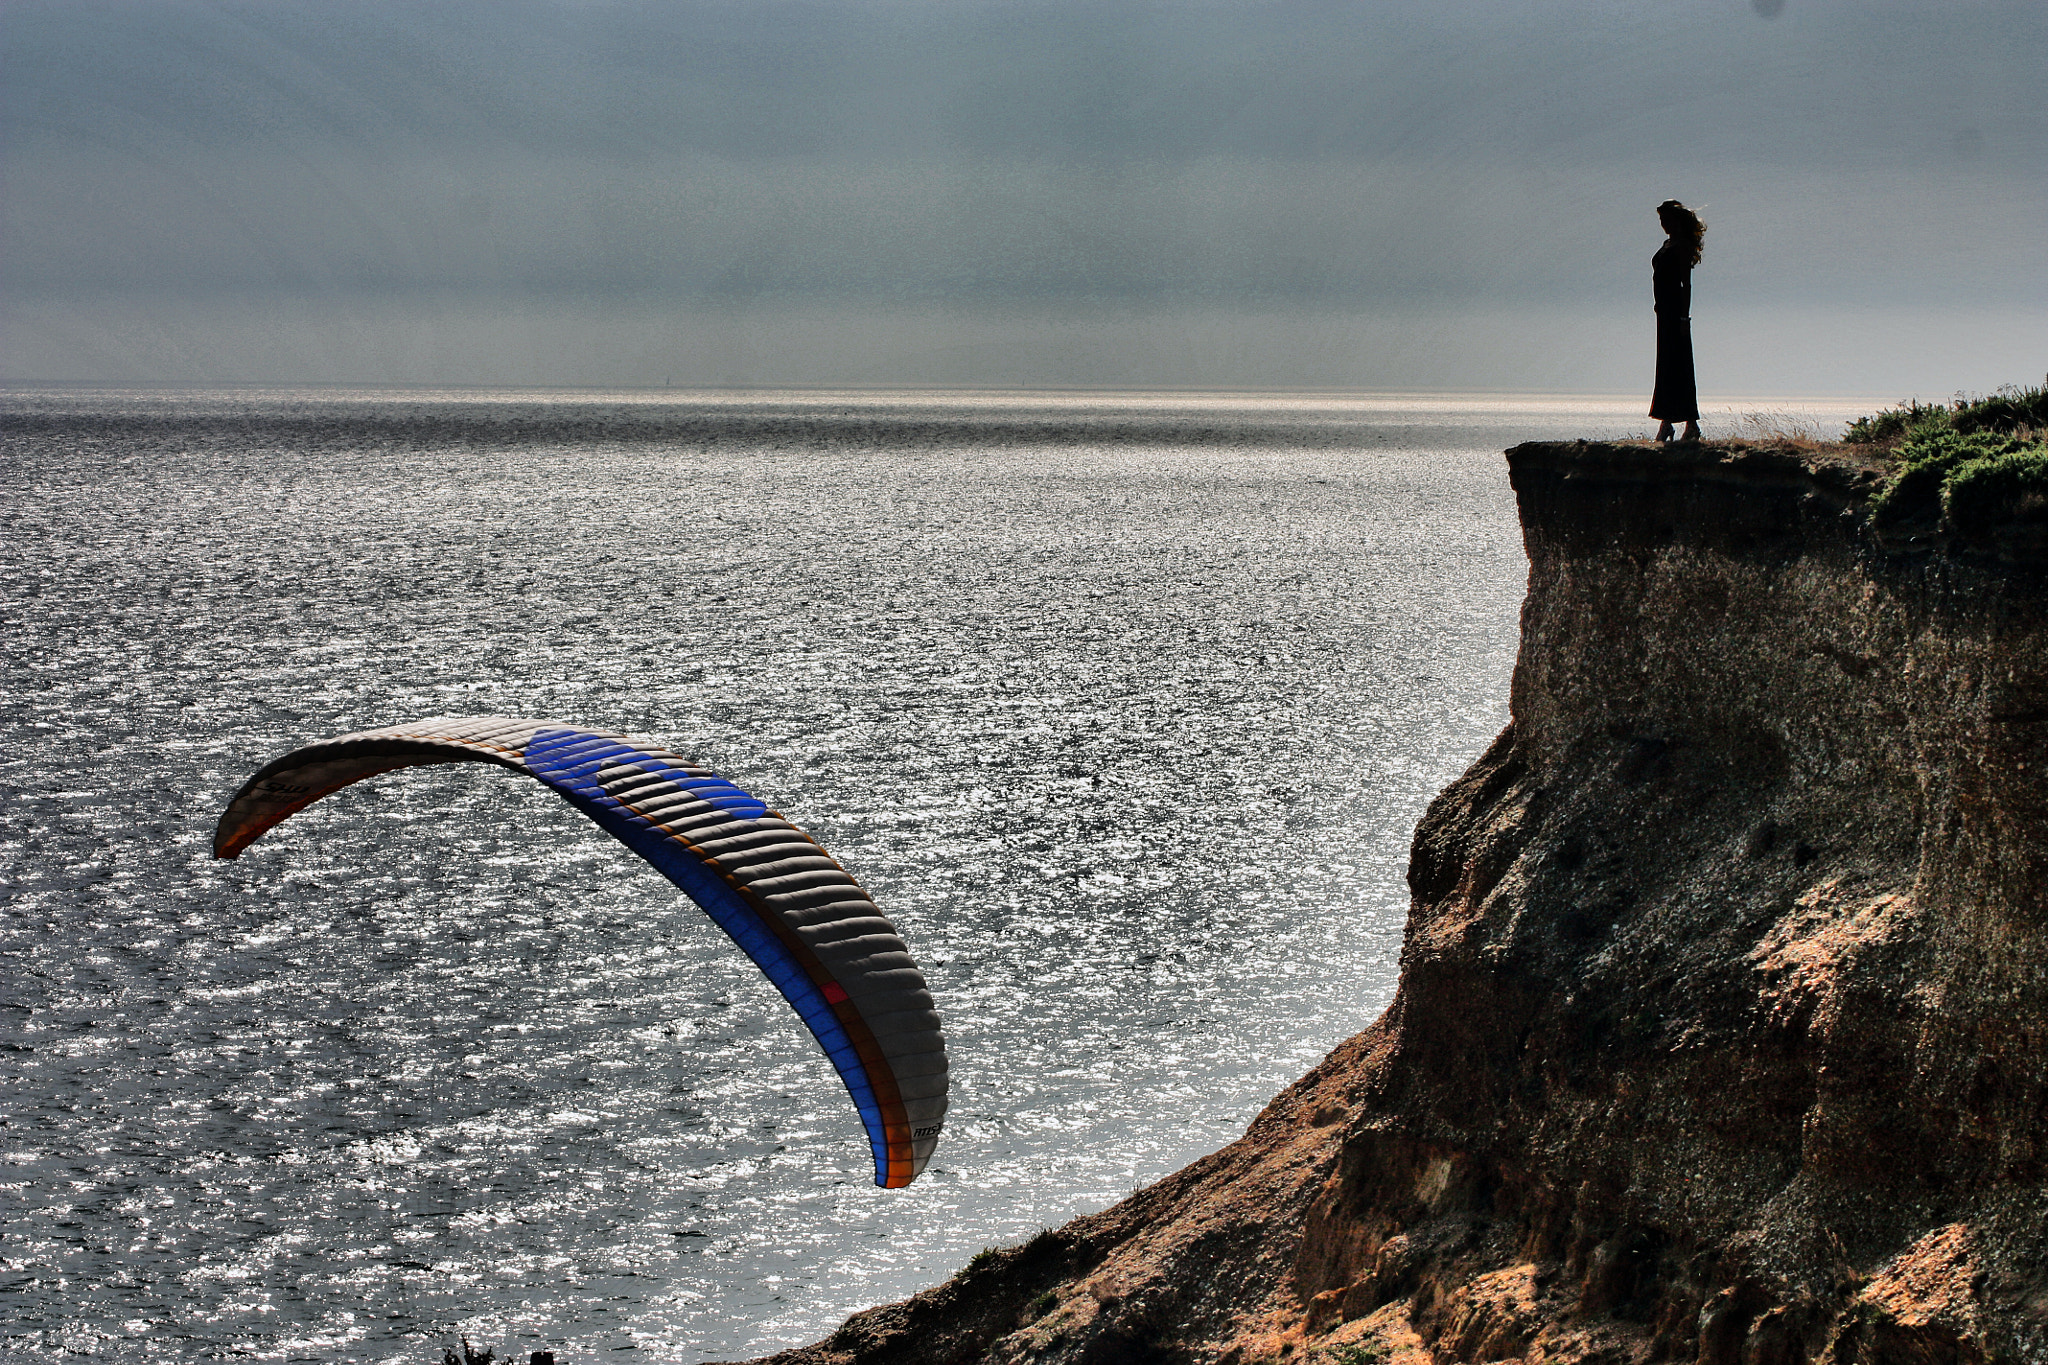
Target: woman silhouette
[1677,398]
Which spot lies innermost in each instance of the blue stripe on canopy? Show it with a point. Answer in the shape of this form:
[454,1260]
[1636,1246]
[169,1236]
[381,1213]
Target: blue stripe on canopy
[568,761]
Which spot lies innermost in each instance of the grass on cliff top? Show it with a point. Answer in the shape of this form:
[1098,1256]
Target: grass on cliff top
[1963,466]
[1778,427]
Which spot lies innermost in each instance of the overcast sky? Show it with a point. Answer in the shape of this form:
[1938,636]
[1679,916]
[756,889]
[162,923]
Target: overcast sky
[1367,193]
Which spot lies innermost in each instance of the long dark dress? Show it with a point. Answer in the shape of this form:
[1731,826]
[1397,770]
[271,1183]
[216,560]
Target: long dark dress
[1677,397]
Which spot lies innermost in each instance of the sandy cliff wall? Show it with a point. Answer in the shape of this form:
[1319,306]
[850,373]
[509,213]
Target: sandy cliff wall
[1722,1032]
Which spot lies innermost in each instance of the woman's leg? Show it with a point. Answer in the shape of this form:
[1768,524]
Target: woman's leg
[1676,398]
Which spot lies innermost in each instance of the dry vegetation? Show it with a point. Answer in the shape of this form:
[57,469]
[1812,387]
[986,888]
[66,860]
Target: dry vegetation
[1778,427]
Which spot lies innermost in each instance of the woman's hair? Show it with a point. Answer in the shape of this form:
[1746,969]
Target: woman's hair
[1683,224]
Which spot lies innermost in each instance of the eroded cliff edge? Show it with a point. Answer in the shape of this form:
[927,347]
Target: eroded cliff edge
[1722,1030]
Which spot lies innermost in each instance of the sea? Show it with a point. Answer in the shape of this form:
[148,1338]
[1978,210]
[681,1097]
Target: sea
[1123,706]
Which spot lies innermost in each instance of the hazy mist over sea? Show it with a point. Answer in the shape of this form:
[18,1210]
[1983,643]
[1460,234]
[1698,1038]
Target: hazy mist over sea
[1413,194]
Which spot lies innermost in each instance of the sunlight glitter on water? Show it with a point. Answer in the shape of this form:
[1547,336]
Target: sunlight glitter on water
[1123,708]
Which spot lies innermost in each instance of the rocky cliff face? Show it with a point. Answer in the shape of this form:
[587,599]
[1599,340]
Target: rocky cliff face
[1722,1031]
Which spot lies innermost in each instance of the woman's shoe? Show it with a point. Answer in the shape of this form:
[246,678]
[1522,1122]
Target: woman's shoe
[1664,434]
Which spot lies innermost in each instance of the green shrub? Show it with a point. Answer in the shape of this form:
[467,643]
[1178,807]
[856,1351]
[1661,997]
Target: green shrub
[2011,410]
[1982,492]
[1997,475]
[1927,460]
[1895,422]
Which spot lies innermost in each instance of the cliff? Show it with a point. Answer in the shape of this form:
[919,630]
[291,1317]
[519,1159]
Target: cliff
[1722,1030]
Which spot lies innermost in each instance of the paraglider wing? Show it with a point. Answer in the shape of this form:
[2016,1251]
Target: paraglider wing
[780,896]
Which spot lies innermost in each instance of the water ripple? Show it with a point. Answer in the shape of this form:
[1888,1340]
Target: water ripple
[1124,721]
